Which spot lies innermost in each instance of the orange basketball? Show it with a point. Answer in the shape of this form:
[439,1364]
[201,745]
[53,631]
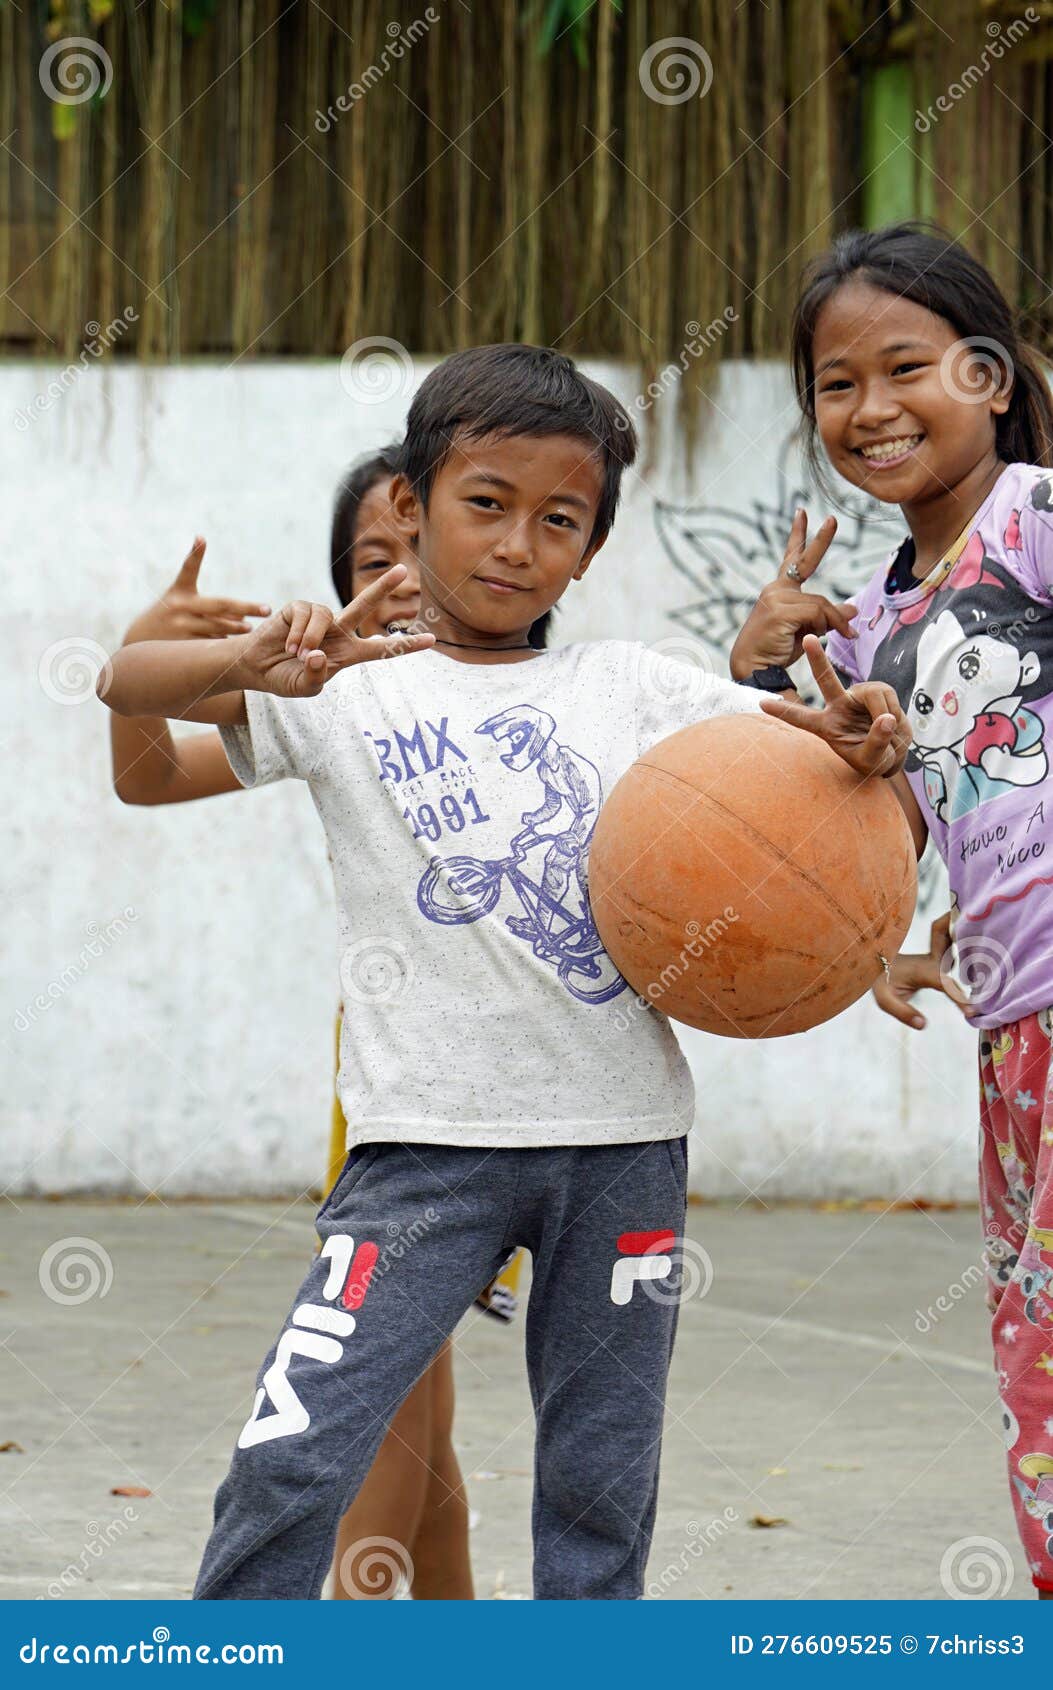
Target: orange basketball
[746,881]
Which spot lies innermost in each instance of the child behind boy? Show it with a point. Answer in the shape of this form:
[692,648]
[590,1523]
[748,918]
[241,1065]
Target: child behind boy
[459,788]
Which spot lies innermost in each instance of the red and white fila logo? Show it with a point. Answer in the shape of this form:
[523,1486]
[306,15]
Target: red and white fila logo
[315,1332]
[641,1255]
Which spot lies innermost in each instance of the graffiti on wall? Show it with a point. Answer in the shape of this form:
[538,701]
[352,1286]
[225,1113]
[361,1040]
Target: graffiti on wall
[726,552]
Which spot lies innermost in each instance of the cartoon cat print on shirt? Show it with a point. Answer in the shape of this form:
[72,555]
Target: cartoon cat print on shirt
[973,736]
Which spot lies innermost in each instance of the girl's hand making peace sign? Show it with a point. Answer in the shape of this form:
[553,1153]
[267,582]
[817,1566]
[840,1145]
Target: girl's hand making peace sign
[772,634]
[183,613]
[864,724]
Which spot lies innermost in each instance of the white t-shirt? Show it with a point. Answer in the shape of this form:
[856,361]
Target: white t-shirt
[480,1007]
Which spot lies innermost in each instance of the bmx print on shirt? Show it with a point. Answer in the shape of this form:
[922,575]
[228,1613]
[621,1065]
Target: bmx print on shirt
[539,886]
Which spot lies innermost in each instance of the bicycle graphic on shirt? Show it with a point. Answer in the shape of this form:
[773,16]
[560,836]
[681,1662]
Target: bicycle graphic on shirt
[457,890]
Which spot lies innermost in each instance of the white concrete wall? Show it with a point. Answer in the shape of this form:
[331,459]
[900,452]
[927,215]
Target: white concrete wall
[188,1049]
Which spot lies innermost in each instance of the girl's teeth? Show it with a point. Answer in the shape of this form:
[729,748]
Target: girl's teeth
[890,448]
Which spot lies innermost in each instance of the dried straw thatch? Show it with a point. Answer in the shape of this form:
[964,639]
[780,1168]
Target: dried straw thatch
[499,173]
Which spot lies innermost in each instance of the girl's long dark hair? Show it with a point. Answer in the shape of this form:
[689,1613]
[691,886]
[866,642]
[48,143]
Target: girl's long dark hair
[360,479]
[920,262]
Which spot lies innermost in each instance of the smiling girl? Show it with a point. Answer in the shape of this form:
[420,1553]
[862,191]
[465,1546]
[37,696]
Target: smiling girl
[913,381]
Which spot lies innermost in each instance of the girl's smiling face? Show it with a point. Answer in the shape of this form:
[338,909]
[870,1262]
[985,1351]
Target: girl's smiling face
[903,409]
[380,541]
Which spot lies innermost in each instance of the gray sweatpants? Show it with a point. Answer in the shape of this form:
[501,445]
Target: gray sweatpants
[411,1234]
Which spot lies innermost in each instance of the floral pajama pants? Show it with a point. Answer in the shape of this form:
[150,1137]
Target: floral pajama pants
[1016,1198]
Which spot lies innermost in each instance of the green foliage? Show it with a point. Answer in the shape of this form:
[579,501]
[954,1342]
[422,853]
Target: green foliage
[567,18]
[197,14]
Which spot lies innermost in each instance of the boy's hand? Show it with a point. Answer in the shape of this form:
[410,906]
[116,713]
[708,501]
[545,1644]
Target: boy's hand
[301,647]
[772,633]
[864,725]
[181,613]
[916,971]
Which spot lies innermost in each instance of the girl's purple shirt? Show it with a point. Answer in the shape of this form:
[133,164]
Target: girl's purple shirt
[969,651]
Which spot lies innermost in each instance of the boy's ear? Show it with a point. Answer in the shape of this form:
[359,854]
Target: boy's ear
[405,507]
[597,545]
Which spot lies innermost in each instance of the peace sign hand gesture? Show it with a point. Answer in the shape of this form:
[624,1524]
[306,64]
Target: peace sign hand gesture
[772,634]
[864,724]
[183,613]
[302,646]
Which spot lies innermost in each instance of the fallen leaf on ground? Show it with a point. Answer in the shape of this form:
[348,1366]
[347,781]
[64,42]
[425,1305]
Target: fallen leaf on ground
[903,1205]
[777,1472]
[130,1490]
[768,1520]
[9,1447]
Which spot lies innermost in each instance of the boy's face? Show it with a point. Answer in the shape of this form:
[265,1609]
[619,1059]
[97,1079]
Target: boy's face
[382,540]
[904,412]
[506,530]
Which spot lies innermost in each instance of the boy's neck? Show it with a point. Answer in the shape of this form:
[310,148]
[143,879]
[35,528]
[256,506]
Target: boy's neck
[463,644]
[936,524]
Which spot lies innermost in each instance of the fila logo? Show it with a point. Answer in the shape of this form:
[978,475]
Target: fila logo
[315,1332]
[642,1255]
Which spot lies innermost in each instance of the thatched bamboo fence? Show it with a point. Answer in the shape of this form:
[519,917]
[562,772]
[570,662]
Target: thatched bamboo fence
[498,171]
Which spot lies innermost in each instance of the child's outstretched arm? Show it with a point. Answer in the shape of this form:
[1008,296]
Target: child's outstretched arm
[150,766]
[292,654]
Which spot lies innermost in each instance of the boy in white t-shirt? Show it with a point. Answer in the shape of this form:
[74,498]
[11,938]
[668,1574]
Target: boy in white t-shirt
[517,1105]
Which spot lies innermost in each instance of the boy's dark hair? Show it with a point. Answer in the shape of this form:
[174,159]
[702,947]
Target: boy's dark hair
[359,480]
[920,262]
[513,389]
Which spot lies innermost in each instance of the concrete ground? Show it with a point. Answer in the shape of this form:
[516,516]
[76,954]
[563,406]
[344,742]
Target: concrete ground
[803,1395]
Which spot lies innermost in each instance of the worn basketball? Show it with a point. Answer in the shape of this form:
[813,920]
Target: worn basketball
[746,881]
